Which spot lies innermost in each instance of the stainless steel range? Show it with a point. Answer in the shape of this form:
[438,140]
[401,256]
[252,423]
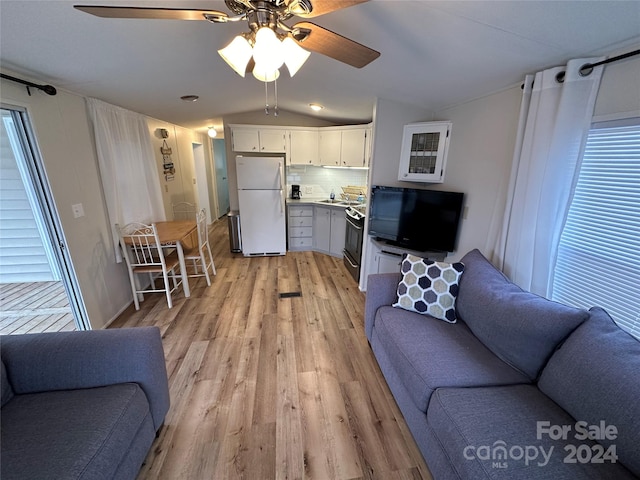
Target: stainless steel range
[353,240]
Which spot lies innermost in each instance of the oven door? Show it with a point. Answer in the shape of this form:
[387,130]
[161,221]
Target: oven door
[353,239]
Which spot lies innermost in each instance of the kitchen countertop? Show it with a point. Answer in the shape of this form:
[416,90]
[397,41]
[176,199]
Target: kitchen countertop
[318,201]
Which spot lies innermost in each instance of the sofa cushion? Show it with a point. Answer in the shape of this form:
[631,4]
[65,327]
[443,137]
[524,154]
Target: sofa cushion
[520,327]
[6,392]
[595,376]
[493,432]
[428,287]
[74,434]
[427,353]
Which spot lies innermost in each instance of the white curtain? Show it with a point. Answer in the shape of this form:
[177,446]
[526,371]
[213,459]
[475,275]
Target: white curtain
[554,121]
[127,166]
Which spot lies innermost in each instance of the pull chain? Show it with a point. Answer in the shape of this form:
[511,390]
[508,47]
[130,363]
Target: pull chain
[275,88]
[266,100]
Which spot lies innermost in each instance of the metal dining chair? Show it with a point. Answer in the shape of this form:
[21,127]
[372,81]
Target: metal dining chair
[197,255]
[184,211]
[144,255]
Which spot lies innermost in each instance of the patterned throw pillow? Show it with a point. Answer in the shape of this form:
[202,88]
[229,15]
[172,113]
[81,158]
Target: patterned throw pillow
[429,287]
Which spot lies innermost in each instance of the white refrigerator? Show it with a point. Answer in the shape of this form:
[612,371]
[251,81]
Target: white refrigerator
[261,200]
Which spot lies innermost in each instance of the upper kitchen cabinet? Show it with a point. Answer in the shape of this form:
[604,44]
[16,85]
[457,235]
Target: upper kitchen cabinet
[343,146]
[424,151]
[303,147]
[258,140]
[330,142]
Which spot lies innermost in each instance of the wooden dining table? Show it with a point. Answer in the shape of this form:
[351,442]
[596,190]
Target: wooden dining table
[176,233]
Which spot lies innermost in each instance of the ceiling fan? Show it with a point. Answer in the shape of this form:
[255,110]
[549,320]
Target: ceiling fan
[264,17]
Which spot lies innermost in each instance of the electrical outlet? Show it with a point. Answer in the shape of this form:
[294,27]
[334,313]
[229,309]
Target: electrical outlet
[308,189]
[78,210]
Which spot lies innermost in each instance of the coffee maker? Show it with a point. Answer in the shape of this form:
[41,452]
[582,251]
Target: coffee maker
[295,192]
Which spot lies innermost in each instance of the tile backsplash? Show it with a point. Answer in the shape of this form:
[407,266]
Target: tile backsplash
[317,182]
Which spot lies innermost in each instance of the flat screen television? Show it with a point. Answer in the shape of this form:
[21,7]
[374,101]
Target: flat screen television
[415,219]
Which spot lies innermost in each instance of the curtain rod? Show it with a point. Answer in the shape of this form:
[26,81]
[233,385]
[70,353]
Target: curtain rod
[48,89]
[584,70]
[609,60]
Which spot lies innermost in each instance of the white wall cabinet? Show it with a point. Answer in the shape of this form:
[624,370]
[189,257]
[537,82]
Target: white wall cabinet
[343,147]
[424,151]
[303,147]
[353,147]
[329,227]
[330,144]
[257,140]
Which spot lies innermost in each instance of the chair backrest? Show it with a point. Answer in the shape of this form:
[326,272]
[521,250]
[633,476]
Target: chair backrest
[203,234]
[183,211]
[140,245]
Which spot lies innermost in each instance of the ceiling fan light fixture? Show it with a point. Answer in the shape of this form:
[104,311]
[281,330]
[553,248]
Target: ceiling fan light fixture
[265,74]
[294,55]
[237,54]
[267,49]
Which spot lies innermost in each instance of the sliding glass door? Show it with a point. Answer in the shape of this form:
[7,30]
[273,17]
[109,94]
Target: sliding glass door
[38,288]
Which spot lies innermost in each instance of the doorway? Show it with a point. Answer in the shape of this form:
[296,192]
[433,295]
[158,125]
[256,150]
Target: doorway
[222,184]
[38,289]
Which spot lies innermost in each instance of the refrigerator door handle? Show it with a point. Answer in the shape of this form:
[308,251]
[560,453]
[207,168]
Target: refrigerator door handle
[281,189]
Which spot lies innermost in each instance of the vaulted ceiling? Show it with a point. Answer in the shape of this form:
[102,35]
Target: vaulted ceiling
[434,54]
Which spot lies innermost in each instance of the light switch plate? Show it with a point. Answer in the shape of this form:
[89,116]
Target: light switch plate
[78,210]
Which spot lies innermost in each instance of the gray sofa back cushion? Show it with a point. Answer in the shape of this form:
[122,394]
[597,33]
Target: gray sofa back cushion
[595,376]
[521,328]
[6,392]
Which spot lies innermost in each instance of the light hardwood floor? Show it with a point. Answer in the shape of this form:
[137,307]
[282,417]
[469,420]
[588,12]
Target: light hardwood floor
[264,387]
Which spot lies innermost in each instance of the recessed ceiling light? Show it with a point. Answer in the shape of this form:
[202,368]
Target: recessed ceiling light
[316,107]
[189,98]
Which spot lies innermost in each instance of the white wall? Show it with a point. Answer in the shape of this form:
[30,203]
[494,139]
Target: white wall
[389,118]
[65,139]
[183,187]
[479,164]
[619,93]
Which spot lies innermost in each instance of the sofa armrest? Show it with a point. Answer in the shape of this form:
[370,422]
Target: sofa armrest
[382,289]
[73,360]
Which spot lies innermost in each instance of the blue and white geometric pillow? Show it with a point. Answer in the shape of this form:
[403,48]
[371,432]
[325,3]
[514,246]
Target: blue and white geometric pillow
[429,287]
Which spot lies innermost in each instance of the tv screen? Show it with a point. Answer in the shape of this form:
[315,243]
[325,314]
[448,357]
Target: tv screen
[415,219]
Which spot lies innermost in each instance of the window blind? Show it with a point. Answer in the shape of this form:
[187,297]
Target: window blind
[599,252]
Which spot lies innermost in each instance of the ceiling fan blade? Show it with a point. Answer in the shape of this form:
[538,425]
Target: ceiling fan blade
[320,7]
[152,13]
[317,39]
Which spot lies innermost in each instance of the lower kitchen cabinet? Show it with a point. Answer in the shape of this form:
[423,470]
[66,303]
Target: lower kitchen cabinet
[329,227]
[300,225]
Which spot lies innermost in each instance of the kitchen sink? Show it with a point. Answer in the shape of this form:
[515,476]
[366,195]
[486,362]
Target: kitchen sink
[334,202]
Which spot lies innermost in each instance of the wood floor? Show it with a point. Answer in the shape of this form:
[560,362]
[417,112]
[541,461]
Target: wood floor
[34,308]
[264,387]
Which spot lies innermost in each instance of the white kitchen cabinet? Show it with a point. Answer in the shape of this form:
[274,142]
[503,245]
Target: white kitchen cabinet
[245,140]
[342,146]
[300,226]
[424,151]
[329,228]
[330,146]
[255,140]
[338,232]
[273,141]
[303,147]
[353,146]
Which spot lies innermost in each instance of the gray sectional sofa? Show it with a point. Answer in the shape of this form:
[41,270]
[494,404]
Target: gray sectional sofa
[519,387]
[80,405]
